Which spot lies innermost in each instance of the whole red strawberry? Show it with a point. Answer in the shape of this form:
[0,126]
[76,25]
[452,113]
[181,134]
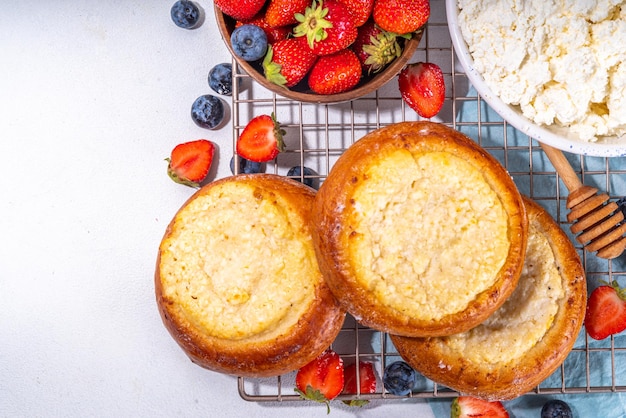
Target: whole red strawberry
[283,12]
[375,47]
[327,25]
[321,380]
[261,140]
[273,34]
[401,16]
[423,88]
[336,73]
[189,162]
[471,407]
[288,61]
[240,9]
[606,311]
[361,10]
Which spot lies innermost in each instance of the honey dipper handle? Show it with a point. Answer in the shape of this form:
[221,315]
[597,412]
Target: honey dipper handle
[563,167]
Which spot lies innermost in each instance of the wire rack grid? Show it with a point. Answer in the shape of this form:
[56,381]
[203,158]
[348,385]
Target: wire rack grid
[317,134]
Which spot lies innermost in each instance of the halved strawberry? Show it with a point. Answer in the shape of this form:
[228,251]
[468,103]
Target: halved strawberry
[261,140]
[288,61]
[321,380]
[366,379]
[423,88]
[401,16]
[470,407]
[606,311]
[189,162]
[327,25]
[336,73]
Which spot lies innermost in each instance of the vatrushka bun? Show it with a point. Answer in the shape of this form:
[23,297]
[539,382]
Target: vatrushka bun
[419,231]
[525,340]
[237,281]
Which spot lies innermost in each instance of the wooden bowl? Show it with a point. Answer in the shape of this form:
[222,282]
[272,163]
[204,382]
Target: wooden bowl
[301,92]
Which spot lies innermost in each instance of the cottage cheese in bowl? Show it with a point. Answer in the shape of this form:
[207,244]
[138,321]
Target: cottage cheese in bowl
[554,69]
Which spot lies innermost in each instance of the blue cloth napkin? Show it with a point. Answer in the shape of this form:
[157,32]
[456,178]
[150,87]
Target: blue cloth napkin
[584,368]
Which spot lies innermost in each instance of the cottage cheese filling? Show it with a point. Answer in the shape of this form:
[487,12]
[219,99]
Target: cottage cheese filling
[562,61]
[426,244]
[522,321]
[224,280]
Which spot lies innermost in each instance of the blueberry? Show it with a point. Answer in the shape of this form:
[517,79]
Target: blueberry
[185,14]
[249,42]
[221,79]
[296,174]
[207,111]
[399,378]
[245,166]
[555,408]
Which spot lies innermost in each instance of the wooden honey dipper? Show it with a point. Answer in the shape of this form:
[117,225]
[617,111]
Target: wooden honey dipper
[598,222]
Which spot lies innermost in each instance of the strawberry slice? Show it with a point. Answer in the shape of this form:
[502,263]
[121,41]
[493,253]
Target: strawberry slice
[189,162]
[321,380]
[367,378]
[423,88]
[606,311]
[471,407]
[261,139]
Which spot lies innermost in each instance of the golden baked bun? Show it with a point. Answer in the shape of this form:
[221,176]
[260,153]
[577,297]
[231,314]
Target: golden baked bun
[237,280]
[525,340]
[419,231]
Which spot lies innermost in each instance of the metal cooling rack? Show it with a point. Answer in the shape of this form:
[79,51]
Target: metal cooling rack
[318,134]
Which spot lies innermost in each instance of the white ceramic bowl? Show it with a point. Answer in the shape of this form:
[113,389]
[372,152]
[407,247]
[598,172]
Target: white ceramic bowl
[557,137]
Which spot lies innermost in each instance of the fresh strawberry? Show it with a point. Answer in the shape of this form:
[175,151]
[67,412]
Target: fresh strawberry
[273,34]
[288,61]
[336,73]
[606,311]
[360,9]
[367,378]
[401,16]
[321,380]
[375,47]
[189,162]
[423,88]
[470,407]
[240,9]
[327,25]
[261,139]
[283,12]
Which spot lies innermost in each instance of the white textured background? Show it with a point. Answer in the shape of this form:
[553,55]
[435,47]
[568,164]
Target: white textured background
[93,96]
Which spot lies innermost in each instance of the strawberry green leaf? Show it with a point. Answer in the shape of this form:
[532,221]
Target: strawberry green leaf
[314,395]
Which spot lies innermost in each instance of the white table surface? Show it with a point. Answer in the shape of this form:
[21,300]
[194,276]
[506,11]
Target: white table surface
[93,96]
